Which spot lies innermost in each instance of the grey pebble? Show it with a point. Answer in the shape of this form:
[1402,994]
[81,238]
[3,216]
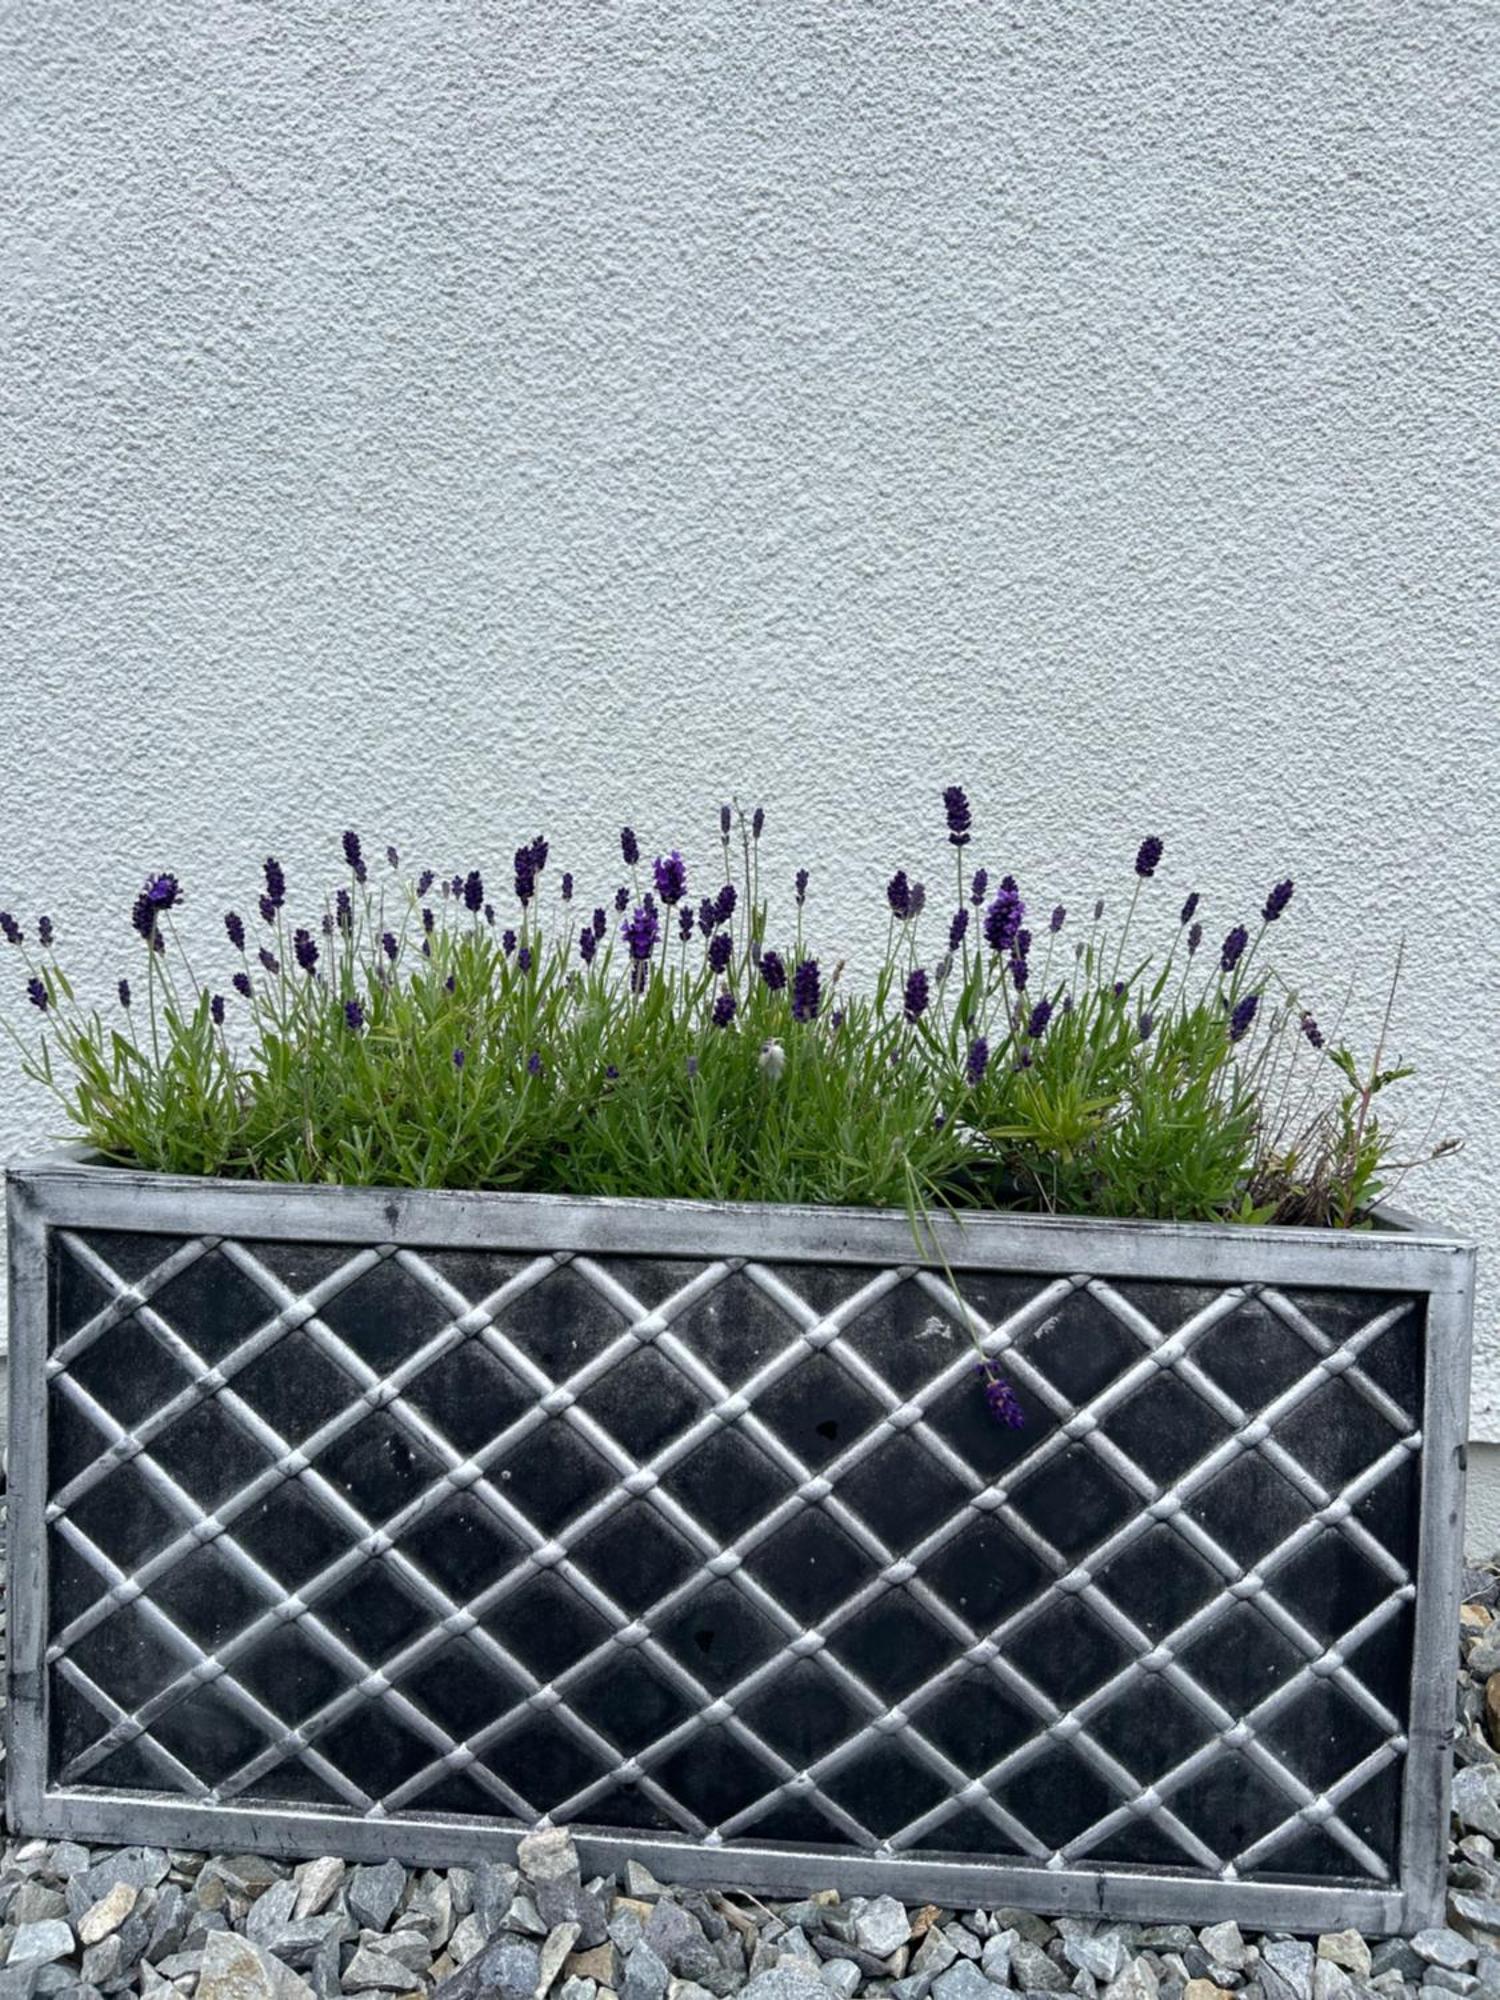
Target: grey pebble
[963,1981]
[40,1943]
[1440,1946]
[374,1894]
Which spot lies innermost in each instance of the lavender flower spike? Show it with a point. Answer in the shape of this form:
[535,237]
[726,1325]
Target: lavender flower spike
[1003,919]
[12,930]
[1234,946]
[806,995]
[641,930]
[123,989]
[1058,918]
[234,925]
[1148,857]
[37,994]
[474,892]
[354,855]
[1041,1014]
[1190,908]
[354,1016]
[44,931]
[1277,901]
[956,806]
[772,970]
[917,995]
[1243,1015]
[898,895]
[724,1007]
[306,951]
[1000,1399]
[630,847]
[275,883]
[978,1060]
[670,875]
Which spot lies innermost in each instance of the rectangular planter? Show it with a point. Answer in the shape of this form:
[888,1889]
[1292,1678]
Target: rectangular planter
[369,1521]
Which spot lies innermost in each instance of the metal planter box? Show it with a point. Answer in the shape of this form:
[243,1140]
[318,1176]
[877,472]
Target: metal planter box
[369,1521]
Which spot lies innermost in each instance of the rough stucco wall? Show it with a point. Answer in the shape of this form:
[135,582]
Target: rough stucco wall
[453,419]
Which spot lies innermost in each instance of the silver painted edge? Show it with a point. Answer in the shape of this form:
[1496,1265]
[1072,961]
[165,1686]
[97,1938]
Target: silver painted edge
[74,1192]
[26,1566]
[444,1842]
[1429,1763]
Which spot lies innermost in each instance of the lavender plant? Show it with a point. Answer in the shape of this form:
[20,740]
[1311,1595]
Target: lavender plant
[450,1031]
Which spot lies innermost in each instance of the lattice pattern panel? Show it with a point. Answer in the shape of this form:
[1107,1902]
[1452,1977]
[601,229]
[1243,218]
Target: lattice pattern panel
[734,1550]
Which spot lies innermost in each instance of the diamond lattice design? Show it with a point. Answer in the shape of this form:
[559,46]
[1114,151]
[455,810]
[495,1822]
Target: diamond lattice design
[734,1549]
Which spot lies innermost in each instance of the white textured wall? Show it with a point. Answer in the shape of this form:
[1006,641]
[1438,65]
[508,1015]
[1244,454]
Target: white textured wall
[459,418]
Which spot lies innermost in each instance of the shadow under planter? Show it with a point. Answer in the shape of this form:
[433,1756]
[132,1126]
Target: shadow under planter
[361,1521]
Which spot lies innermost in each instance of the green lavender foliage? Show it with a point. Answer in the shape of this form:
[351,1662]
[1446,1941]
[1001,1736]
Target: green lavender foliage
[433,1044]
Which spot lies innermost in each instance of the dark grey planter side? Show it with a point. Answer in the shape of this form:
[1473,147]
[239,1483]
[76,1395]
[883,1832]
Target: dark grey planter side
[364,1521]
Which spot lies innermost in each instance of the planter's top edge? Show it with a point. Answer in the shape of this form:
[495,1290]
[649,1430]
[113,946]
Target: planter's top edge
[78,1165]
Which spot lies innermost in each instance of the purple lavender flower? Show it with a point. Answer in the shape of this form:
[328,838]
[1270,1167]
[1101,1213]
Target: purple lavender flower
[1234,946]
[474,892]
[685,924]
[1041,1014]
[1058,918]
[13,932]
[424,882]
[1148,857]
[1243,1015]
[1146,1023]
[918,901]
[726,820]
[44,931]
[241,984]
[979,885]
[956,806]
[216,1009]
[267,910]
[1003,919]
[958,929]
[773,970]
[622,898]
[724,1006]
[354,855]
[1000,1399]
[567,886]
[898,895]
[588,944]
[393,857]
[275,882]
[708,914]
[1190,908]
[978,1060]
[757,822]
[724,903]
[235,926]
[1117,991]
[836,1018]
[507,942]
[327,924]
[720,951]
[525,875]
[800,886]
[345,910]
[611,1073]
[429,921]
[123,989]
[1312,1031]
[533,1064]
[389,945]
[641,930]
[1023,944]
[450,983]
[630,847]
[917,994]
[600,923]
[806,994]
[1020,972]
[306,951]
[458,1058]
[36,993]
[1277,901]
[489,915]
[669,872]
[270,962]
[1195,938]
[1098,908]
[161,892]
[523,959]
[539,853]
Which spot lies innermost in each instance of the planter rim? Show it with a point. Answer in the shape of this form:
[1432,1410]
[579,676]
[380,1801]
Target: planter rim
[81,1166]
